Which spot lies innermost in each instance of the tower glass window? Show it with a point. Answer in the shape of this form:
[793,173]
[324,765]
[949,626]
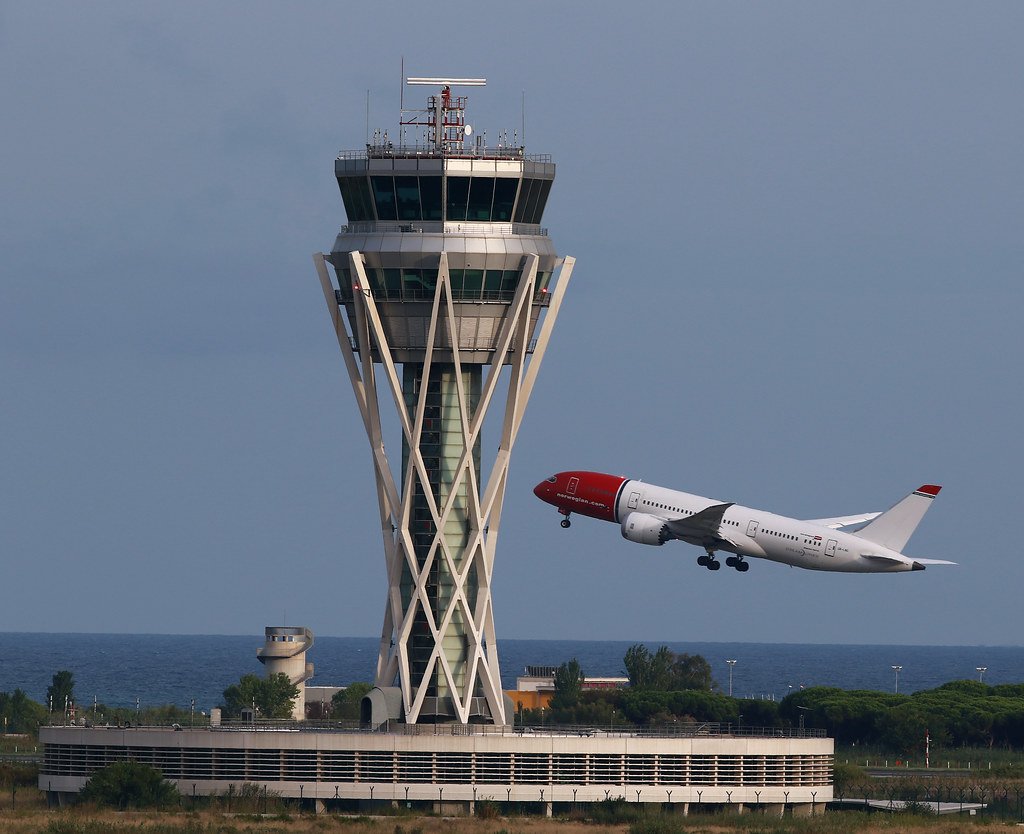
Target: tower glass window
[504,198]
[458,195]
[407,190]
[481,195]
[534,209]
[524,199]
[430,197]
[384,197]
[355,193]
[542,199]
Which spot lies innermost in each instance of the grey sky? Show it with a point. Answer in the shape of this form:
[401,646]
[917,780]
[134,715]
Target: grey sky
[798,239]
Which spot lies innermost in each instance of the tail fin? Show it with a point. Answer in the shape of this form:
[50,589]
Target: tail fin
[895,526]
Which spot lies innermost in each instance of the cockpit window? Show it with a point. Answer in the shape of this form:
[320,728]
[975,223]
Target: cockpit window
[552,479]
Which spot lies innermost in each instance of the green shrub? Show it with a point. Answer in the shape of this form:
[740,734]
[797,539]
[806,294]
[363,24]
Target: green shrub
[129,785]
[656,824]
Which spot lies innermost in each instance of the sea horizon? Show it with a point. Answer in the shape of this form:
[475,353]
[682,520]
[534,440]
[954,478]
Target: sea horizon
[645,641]
[156,669]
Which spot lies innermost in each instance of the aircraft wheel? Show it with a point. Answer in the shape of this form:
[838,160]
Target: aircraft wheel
[703,560]
[743,567]
[566,523]
[732,561]
[714,565]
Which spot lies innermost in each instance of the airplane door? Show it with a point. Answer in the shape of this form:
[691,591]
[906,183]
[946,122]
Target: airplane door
[752,529]
[573,483]
[634,500]
[830,548]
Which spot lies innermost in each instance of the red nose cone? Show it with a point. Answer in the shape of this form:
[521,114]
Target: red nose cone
[541,490]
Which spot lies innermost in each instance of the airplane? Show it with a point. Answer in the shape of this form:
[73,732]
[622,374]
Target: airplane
[653,515]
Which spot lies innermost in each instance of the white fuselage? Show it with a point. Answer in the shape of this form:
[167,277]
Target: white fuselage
[764,535]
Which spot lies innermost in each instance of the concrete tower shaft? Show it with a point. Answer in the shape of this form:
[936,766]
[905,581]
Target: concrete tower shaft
[284,652]
[444,270]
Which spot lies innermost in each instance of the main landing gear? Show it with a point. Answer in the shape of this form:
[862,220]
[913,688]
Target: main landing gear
[709,561]
[739,563]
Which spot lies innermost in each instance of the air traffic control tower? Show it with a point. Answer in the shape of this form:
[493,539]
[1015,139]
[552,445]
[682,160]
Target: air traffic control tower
[447,290]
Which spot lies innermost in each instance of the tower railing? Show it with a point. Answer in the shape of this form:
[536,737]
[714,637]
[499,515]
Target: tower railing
[444,227]
[471,152]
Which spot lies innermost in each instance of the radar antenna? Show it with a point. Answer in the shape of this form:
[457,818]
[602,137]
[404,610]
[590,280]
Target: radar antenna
[445,116]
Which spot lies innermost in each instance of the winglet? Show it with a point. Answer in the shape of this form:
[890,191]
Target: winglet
[928,489]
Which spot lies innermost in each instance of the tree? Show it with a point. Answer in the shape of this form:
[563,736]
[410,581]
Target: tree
[691,671]
[346,703]
[280,696]
[22,713]
[666,671]
[273,697]
[639,665]
[61,692]
[129,784]
[568,685]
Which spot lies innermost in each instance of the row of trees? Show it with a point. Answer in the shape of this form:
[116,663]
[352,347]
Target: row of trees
[666,671]
[666,688]
[957,714]
[273,697]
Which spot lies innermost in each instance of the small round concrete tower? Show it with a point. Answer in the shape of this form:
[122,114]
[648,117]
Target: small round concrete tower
[284,652]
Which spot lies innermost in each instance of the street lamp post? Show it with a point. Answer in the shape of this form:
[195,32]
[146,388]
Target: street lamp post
[731,663]
[897,670]
[981,670]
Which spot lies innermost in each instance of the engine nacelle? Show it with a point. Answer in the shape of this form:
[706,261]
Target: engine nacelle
[645,529]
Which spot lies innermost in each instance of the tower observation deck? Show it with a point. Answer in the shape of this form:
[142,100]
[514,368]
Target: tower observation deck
[447,290]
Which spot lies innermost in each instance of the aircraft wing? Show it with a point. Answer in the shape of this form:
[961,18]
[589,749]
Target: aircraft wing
[842,520]
[701,527]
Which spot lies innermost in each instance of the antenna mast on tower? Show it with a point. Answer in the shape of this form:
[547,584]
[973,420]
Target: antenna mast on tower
[445,116]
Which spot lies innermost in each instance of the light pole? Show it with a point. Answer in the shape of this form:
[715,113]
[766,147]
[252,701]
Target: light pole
[731,664]
[981,670]
[897,669]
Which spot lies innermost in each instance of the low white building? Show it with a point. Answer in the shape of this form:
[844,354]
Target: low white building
[449,768]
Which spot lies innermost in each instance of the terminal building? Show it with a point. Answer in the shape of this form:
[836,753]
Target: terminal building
[443,289]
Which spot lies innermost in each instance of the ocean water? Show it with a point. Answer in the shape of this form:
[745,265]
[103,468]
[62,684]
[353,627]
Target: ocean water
[160,669]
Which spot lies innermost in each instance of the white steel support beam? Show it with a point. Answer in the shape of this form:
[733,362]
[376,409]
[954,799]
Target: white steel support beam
[481,675]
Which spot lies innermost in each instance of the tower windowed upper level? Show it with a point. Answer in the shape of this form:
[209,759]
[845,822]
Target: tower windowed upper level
[443,177]
[519,198]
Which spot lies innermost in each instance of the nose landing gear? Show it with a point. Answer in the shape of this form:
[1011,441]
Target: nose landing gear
[565,521]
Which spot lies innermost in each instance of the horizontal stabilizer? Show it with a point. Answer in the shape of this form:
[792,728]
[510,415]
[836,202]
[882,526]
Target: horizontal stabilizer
[915,564]
[881,557]
[843,520]
[894,527]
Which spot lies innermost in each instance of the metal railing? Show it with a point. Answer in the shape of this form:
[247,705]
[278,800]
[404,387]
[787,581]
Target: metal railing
[540,298]
[681,730]
[450,227]
[429,152]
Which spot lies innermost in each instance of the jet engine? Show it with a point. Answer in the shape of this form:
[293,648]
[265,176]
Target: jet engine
[645,529]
